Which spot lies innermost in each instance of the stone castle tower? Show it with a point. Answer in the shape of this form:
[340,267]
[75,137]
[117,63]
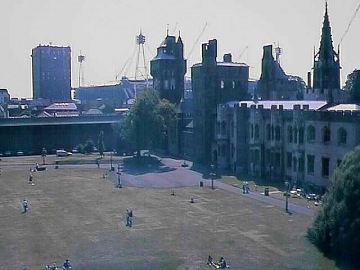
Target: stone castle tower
[168,69]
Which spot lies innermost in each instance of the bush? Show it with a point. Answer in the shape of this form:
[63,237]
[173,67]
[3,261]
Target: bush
[336,227]
[89,146]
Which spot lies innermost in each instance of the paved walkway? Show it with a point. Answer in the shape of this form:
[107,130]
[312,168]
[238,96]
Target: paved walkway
[183,177]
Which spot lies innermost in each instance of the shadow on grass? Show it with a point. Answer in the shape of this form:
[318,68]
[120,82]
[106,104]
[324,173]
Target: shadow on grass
[144,164]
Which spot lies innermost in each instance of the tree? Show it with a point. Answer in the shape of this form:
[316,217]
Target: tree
[89,146]
[336,228]
[147,121]
[101,146]
[352,86]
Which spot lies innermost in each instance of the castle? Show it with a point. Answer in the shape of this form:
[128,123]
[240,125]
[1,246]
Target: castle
[287,131]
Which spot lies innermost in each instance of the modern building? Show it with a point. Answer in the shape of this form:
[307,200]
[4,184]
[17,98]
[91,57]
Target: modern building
[168,69]
[51,73]
[214,83]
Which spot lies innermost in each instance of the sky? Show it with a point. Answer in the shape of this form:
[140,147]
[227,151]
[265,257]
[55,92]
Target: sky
[105,30]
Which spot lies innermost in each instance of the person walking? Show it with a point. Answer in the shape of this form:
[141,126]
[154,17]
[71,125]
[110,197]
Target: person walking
[25,206]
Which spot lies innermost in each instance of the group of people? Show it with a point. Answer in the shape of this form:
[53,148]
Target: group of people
[66,266]
[218,265]
[129,218]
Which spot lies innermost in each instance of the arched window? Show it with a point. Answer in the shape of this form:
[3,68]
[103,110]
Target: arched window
[217,127]
[295,135]
[301,135]
[257,132]
[290,134]
[342,136]
[326,134]
[268,132]
[277,133]
[294,164]
[223,128]
[311,133]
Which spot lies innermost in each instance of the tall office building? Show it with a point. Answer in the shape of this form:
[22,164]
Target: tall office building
[51,73]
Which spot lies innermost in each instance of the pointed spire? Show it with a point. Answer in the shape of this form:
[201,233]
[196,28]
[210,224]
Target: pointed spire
[326,45]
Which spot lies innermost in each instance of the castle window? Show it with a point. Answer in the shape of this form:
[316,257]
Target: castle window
[301,135]
[342,136]
[268,132]
[218,128]
[272,132]
[251,131]
[301,164]
[289,160]
[294,164]
[311,133]
[290,134]
[277,133]
[310,164]
[223,128]
[257,132]
[325,167]
[295,135]
[232,131]
[326,134]
[233,84]
[339,162]
[223,150]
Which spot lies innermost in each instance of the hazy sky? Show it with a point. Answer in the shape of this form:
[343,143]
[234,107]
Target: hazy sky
[104,31]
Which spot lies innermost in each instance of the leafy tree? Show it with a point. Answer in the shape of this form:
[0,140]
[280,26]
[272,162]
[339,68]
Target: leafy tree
[101,146]
[89,146]
[336,228]
[352,86]
[147,121]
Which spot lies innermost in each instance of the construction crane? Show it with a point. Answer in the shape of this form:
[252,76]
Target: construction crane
[350,23]
[242,53]
[196,41]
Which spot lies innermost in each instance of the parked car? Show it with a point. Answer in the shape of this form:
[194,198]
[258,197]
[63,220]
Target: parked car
[62,153]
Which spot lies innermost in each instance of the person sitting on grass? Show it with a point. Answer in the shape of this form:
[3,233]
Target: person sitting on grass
[67,265]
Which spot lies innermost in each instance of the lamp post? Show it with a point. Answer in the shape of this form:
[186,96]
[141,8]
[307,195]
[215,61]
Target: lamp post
[212,176]
[119,176]
[111,161]
[287,196]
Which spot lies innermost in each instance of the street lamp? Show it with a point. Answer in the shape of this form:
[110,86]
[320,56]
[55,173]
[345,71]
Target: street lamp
[111,161]
[119,176]
[287,196]
[212,176]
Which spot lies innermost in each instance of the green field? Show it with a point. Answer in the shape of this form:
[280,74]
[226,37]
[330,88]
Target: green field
[77,214]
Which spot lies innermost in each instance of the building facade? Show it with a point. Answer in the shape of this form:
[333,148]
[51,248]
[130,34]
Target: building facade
[214,83]
[300,141]
[51,73]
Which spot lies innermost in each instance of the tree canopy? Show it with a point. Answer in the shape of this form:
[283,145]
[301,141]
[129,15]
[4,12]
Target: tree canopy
[147,122]
[336,228]
[352,86]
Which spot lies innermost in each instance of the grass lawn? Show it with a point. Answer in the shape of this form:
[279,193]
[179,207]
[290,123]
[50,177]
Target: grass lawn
[77,214]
